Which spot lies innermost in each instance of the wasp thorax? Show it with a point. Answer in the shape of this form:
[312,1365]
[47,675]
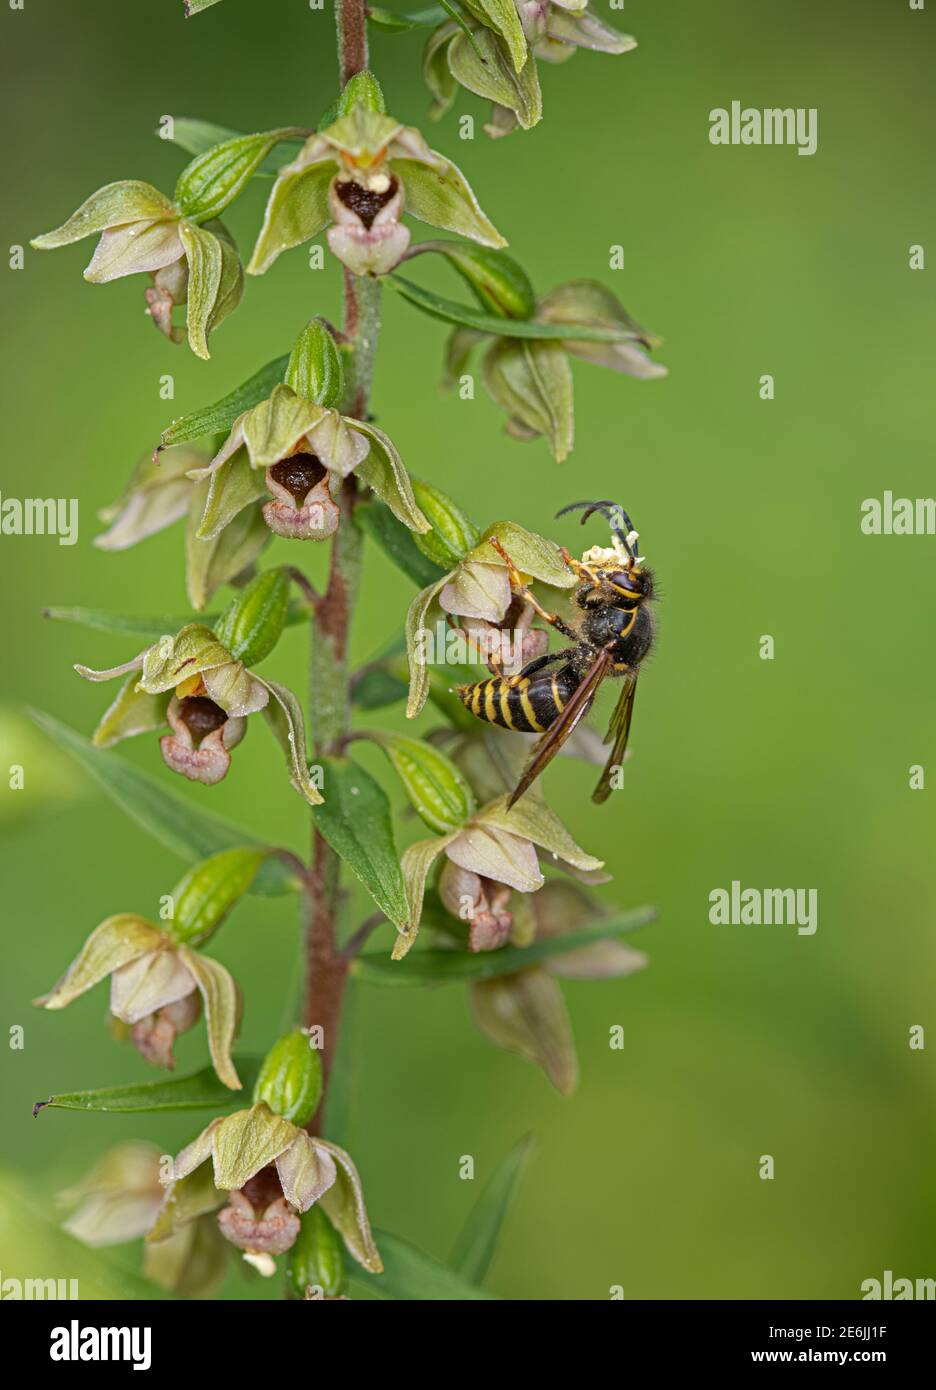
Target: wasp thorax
[201,716]
[299,474]
[366,200]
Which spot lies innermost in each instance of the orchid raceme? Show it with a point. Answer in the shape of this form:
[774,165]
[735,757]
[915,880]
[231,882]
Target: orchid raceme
[300,449]
[357,177]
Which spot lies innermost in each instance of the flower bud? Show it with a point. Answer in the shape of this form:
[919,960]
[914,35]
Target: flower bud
[290,1080]
[362,89]
[215,178]
[436,789]
[452,534]
[315,369]
[500,284]
[315,1268]
[252,624]
[209,890]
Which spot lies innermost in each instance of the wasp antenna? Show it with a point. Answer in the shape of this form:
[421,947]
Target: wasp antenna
[621,525]
[590,508]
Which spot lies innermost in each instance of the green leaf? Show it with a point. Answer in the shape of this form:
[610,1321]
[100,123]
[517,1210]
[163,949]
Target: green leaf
[176,822]
[400,23]
[356,821]
[196,6]
[219,417]
[378,688]
[449,312]
[412,1275]
[200,1091]
[478,1238]
[99,621]
[438,967]
[397,542]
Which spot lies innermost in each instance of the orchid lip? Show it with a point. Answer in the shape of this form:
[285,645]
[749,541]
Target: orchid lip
[365,202]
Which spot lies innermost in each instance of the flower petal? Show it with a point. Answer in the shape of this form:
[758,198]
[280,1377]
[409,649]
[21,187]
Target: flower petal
[443,197]
[205,263]
[140,246]
[193,650]
[343,1203]
[306,1171]
[484,67]
[194,1154]
[220,558]
[533,819]
[415,865]
[416,646]
[127,200]
[533,382]
[498,854]
[132,712]
[149,983]
[247,1141]
[477,591]
[273,428]
[526,1014]
[339,447]
[284,716]
[297,208]
[222,1002]
[113,944]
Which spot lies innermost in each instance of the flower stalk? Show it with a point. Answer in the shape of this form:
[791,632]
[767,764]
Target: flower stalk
[330,694]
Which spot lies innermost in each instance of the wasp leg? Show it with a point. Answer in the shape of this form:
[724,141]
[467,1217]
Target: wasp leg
[518,587]
[489,654]
[577,568]
[538,663]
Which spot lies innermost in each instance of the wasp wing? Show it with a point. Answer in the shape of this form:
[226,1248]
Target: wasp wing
[618,731]
[556,735]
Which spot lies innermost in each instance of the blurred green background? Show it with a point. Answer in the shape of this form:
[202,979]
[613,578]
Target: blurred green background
[739,1041]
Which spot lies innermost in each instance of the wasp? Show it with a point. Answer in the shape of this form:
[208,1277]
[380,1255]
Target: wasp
[611,637]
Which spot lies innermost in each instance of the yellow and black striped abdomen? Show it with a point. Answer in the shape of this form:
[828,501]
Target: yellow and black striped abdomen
[529,705]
